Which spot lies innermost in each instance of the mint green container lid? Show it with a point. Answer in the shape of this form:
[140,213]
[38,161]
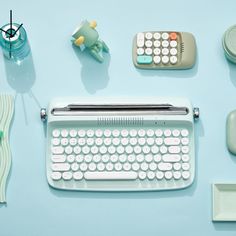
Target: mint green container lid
[229,43]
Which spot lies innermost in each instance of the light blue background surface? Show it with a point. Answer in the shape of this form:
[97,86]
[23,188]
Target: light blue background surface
[34,209]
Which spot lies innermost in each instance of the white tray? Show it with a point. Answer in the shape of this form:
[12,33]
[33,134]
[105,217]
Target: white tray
[224,202]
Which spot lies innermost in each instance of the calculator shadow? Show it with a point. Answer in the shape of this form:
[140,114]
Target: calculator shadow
[185,73]
[94,74]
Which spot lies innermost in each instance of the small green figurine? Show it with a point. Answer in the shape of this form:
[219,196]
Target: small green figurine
[86,35]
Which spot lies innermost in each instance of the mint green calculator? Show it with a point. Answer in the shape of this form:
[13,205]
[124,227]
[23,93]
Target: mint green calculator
[119,144]
[164,50]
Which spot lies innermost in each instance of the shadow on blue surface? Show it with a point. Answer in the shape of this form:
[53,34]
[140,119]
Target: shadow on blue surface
[188,73]
[21,77]
[94,74]
[232,72]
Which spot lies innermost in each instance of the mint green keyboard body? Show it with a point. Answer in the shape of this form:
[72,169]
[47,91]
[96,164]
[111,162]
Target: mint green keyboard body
[143,144]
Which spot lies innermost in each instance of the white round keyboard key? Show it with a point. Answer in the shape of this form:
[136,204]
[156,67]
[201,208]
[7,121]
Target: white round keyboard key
[77,149]
[124,133]
[105,158]
[107,141]
[135,166]
[100,166]
[78,175]
[127,166]
[103,149]
[64,133]
[122,158]
[168,175]
[88,158]
[177,166]
[68,150]
[176,132]
[83,166]
[163,149]
[159,141]
[148,35]
[157,158]
[141,141]
[177,175]
[114,158]
[73,133]
[64,141]
[137,149]
[67,175]
[98,141]
[165,51]
[173,43]
[157,35]
[148,43]
[140,51]
[185,141]
[157,44]
[173,60]
[56,133]
[151,175]
[150,132]
[115,133]
[97,158]
[98,133]
[186,175]
[133,133]
[146,149]
[56,175]
[157,59]
[164,166]
[185,158]
[124,141]
[129,149]
[148,51]
[107,133]
[154,149]
[150,141]
[109,166]
[81,141]
[55,141]
[94,149]
[159,175]
[144,166]
[167,132]
[90,133]
[141,133]
[81,133]
[79,158]
[185,166]
[85,150]
[120,149]
[165,35]
[185,149]
[140,158]
[165,59]
[157,51]
[74,166]
[174,149]
[152,166]
[92,166]
[184,132]
[118,166]
[165,43]
[73,141]
[70,158]
[111,150]
[133,141]
[149,158]
[131,158]
[90,141]
[142,175]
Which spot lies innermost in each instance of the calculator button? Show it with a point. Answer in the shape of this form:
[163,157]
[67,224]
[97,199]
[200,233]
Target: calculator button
[173,36]
[165,36]
[148,35]
[148,51]
[144,59]
[140,42]
[157,59]
[173,43]
[157,35]
[165,59]
[148,43]
[173,51]
[157,43]
[165,51]
[173,60]
[140,51]
[157,51]
[165,43]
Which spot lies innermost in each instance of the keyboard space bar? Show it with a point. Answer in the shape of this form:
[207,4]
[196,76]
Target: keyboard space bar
[122,175]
